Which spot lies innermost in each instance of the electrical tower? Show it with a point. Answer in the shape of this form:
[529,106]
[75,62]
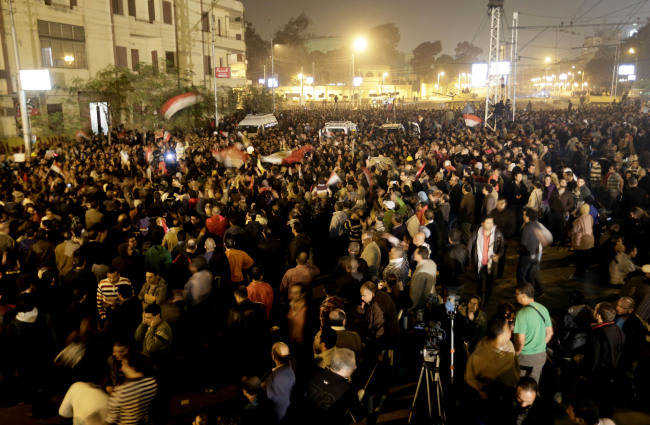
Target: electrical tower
[493,92]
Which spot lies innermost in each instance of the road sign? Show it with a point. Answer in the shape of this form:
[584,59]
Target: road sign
[222,72]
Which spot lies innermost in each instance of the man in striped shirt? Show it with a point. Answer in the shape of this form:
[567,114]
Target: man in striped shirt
[130,402]
[107,292]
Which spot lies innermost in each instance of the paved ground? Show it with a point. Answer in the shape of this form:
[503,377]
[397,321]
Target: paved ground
[556,269]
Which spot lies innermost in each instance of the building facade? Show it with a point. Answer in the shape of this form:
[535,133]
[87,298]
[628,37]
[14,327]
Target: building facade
[76,38]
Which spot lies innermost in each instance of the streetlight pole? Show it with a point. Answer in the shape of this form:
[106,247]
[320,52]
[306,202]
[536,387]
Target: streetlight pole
[214,75]
[273,74]
[439,74]
[301,78]
[352,86]
[21,92]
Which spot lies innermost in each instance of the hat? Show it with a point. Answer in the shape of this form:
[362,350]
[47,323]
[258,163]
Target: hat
[136,203]
[250,150]
[390,205]
[479,165]
[567,170]
[645,268]
[422,196]
[409,158]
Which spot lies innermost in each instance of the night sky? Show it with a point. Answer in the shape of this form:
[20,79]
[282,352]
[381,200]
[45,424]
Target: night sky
[452,21]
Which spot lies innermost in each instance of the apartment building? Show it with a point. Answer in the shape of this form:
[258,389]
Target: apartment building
[77,38]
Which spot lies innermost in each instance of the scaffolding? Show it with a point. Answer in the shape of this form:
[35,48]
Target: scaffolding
[493,92]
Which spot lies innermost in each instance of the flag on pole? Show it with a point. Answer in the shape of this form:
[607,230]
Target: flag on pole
[366,173]
[419,173]
[333,179]
[56,167]
[471,120]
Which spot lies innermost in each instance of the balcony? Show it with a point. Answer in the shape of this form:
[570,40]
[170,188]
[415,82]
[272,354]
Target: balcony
[230,43]
[233,5]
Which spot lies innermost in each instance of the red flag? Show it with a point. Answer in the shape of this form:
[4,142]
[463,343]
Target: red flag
[298,154]
[368,176]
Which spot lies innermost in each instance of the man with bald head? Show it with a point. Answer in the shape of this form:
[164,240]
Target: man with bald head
[635,334]
[280,381]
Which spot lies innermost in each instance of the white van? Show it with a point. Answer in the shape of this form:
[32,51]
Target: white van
[334,127]
[253,124]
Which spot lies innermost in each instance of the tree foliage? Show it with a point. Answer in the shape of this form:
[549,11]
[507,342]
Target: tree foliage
[134,98]
[255,99]
[424,57]
[466,53]
[258,52]
[383,42]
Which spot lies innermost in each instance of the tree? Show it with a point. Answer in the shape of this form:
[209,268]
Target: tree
[383,45]
[466,53]
[290,51]
[424,56]
[258,52]
[256,100]
[293,32]
[134,98]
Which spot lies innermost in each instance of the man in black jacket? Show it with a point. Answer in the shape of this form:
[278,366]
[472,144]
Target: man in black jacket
[246,327]
[486,247]
[602,355]
[504,220]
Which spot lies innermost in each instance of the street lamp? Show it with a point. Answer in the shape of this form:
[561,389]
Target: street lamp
[636,60]
[439,74]
[383,81]
[359,45]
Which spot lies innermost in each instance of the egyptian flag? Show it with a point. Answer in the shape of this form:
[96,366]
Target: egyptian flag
[56,167]
[158,134]
[81,135]
[333,179]
[179,102]
[166,136]
[298,154]
[472,120]
[147,154]
[231,157]
[276,157]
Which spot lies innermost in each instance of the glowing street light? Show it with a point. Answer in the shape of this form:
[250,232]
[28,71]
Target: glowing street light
[547,60]
[358,45]
[439,74]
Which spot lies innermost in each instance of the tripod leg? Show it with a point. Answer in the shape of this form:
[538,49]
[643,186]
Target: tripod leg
[440,399]
[429,395]
[417,390]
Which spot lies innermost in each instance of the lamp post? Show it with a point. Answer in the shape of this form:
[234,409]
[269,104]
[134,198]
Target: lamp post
[273,74]
[360,44]
[21,93]
[439,74]
[383,81]
[634,52]
[301,79]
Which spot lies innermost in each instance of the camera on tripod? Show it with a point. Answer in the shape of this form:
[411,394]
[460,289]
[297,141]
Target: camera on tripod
[434,335]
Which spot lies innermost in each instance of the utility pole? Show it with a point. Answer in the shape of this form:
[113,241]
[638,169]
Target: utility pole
[273,75]
[21,92]
[214,72]
[513,63]
[302,77]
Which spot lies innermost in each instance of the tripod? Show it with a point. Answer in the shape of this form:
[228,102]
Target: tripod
[432,372]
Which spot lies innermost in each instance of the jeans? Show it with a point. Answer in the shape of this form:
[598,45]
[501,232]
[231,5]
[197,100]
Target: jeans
[528,271]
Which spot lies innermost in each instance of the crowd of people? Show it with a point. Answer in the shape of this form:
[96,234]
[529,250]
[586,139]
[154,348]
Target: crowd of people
[134,268]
